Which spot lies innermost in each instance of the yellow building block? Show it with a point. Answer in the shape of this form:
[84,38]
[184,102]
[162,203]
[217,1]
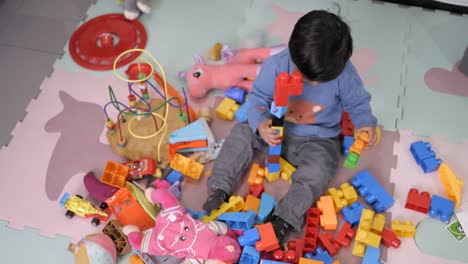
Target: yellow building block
[405,229]
[452,184]
[309,261]
[349,193]
[359,249]
[367,217]
[338,198]
[235,204]
[279,129]
[226,109]
[187,166]
[378,223]
[271,177]
[256,174]
[368,238]
[286,169]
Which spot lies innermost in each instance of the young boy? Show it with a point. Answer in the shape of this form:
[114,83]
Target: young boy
[319,47]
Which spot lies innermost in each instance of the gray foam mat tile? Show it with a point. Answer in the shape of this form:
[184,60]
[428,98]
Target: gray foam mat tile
[56,8]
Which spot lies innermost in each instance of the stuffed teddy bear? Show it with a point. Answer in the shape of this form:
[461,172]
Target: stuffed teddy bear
[177,234]
[133,8]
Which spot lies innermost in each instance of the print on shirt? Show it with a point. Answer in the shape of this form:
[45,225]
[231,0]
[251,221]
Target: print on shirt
[302,112]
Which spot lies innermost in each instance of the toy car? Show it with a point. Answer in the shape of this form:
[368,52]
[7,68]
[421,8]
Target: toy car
[77,205]
[137,169]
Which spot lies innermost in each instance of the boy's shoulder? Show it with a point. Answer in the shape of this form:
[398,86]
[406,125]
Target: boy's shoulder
[280,61]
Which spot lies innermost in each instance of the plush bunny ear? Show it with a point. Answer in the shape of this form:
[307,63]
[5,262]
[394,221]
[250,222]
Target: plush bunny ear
[198,59]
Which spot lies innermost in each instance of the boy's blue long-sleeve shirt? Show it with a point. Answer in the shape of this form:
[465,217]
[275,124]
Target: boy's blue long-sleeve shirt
[317,112]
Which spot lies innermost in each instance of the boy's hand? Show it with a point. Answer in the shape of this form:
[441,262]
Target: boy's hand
[268,134]
[372,135]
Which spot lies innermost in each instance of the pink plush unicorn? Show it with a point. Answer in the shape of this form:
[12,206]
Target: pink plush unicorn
[240,69]
[176,233]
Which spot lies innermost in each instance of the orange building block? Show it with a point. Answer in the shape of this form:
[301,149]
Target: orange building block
[251,203]
[256,175]
[173,148]
[309,261]
[360,143]
[114,174]
[268,241]
[452,184]
[235,204]
[328,217]
[187,166]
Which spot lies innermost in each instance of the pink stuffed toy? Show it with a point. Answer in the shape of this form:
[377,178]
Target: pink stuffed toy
[176,233]
[240,69]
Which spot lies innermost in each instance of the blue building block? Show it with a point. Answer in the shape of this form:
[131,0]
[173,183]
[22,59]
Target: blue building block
[196,214]
[372,256]
[430,164]
[421,150]
[250,255]
[441,206]
[192,132]
[241,114]
[267,203]
[235,93]
[265,261]
[274,151]
[347,143]
[238,220]
[375,194]
[249,237]
[273,167]
[176,189]
[278,111]
[352,213]
[320,255]
[174,176]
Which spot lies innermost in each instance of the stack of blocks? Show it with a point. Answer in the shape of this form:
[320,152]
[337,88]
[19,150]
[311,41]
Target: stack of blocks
[354,152]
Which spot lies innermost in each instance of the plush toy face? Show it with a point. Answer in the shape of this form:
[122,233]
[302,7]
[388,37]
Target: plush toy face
[197,79]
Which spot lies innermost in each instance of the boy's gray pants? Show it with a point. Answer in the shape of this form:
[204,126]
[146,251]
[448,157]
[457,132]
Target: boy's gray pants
[316,160]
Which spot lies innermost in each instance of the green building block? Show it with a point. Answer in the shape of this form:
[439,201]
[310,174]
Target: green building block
[351,160]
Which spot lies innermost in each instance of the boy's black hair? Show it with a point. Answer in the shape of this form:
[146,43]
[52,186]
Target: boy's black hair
[320,45]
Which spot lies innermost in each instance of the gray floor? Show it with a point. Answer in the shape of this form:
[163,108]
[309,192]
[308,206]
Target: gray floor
[33,34]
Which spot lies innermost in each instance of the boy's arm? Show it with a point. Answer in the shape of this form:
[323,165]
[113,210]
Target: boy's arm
[261,95]
[355,99]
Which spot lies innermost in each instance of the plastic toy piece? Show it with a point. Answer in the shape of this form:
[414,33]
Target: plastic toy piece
[351,160]
[274,151]
[143,258]
[235,93]
[249,238]
[286,256]
[235,204]
[268,241]
[114,174]
[419,202]
[389,238]
[286,169]
[296,247]
[265,261]
[137,169]
[196,214]
[345,235]
[150,209]
[194,131]
[372,256]
[327,242]
[309,261]
[267,203]
[360,143]
[452,184]
[364,234]
[114,230]
[241,114]
[174,176]
[425,156]
[349,193]
[187,166]
[328,217]
[347,127]
[286,86]
[192,146]
[359,249]
[375,194]
[251,203]
[256,174]
[352,213]
[238,220]
[250,255]
[378,224]
[311,230]
[272,172]
[256,190]
[347,143]
[128,211]
[441,206]
[77,205]
[320,255]
[405,229]
[278,111]
[226,109]
[344,196]
[96,189]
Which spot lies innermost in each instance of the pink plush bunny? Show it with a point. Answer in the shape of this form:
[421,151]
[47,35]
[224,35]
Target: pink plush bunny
[241,68]
[176,233]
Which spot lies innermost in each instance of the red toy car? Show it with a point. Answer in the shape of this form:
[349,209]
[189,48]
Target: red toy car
[137,169]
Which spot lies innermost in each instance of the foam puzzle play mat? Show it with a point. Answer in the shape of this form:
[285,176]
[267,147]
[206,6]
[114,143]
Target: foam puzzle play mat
[121,141]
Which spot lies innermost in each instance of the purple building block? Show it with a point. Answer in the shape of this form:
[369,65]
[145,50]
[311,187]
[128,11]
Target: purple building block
[235,93]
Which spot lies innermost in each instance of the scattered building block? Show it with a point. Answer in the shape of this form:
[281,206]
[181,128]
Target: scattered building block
[249,255]
[256,175]
[452,184]
[420,202]
[389,238]
[238,220]
[328,215]
[251,203]
[326,241]
[226,109]
[364,234]
[241,114]
[286,169]
[235,204]
[359,249]
[309,261]
[375,194]
[347,143]
[405,229]
[425,156]
[187,166]
[345,235]
[267,203]
[320,255]
[352,213]
[268,241]
[256,190]
[372,256]
[249,238]
[311,230]
[441,206]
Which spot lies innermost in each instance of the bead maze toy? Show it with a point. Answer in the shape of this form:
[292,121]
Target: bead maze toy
[142,126]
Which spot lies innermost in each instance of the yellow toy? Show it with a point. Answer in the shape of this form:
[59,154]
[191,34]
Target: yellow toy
[256,174]
[405,229]
[235,204]
[187,166]
[226,109]
[452,184]
[364,234]
[344,196]
[286,169]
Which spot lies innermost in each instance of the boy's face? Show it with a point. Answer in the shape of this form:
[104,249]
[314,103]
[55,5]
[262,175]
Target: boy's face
[313,83]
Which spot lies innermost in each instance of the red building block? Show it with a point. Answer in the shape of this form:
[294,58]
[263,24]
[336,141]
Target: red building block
[311,230]
[345,235]
[286,86]
[325,240]
[256,190]
[389,239]
[419,202]
[298,247]
[268,241]
[285,256]
[347,127]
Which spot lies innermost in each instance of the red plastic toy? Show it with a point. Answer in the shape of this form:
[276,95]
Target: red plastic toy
[345,235]
[327,242]
[268,241]
[256,190]
[287,86]
[389,238]
[141,167]
[347,127]
[419,202]
[311,230]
